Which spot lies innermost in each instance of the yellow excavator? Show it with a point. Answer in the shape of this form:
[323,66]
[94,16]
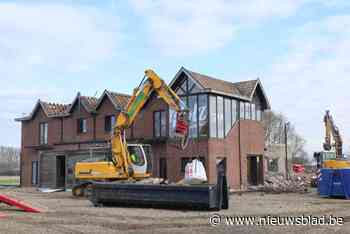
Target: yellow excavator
[332,156]
[132,161]
[332,131]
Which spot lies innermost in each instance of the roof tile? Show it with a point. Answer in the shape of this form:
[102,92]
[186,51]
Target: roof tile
[54,109]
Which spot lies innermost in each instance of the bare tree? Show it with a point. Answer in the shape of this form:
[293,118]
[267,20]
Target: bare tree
[274,134]
[9,160]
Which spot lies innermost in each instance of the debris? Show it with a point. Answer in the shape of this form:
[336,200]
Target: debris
[49,190]
[152,180]
[278,184]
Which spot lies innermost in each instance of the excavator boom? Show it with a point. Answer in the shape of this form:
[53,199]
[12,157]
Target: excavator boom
[149,84]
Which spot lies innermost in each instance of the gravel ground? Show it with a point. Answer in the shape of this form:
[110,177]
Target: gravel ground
[64,214]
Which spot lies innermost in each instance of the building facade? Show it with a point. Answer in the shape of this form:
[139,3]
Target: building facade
[225,124]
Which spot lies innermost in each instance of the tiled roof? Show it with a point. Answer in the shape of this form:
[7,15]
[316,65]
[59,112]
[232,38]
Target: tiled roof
[119,99]
[50,109]
[89,102]
[246,88]
[243,89]
[54,109]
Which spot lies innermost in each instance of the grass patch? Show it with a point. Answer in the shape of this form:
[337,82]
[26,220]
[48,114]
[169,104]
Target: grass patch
[9,180]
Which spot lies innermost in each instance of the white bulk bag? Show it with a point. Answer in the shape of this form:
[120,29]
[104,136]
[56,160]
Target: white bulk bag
[195,172]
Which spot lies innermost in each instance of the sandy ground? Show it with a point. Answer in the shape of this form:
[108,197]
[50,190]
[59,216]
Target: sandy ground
[64,214]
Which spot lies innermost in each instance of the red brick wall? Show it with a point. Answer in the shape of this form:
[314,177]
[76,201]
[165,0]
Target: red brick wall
[70,126]
[143,127]
[30,149]
[30,139]
[252,143]
[106,108]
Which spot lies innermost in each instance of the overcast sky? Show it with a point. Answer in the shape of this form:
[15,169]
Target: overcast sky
[298,48]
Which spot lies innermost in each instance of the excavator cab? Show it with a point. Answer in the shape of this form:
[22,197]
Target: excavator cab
[140,158]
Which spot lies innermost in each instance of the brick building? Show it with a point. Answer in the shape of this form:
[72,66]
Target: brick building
[224,125]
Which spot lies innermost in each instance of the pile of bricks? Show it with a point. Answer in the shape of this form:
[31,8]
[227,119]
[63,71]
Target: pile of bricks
[278,184]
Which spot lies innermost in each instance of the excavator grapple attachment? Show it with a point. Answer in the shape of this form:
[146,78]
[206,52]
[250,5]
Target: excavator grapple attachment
[182,128]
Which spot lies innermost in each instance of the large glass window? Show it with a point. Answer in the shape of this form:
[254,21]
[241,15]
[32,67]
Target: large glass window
[213,119]
[228,115]
[198,116]
[234,111]
[220,108]
[192,105]
[258,113]
[203,115]
[253,111]
[247,110]
[159,123]
[241,110]
[172,122]
[156,124]
[163,124]
[43,133]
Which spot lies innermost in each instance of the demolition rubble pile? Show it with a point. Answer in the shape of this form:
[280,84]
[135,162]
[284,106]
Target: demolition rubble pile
[278,184]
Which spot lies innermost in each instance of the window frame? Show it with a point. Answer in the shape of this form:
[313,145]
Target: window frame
[253,111]
[186,100]
[109,124]
[206,98]
[43,135]
[82,129]
[213,97]
[247,111]
[161,131]
[227,115]
[222,127]
[241,110]
[195,103]
[234,112]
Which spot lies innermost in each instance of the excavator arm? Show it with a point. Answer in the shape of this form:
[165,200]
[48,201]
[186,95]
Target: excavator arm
[332,131]
[151,83]
[130,161]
